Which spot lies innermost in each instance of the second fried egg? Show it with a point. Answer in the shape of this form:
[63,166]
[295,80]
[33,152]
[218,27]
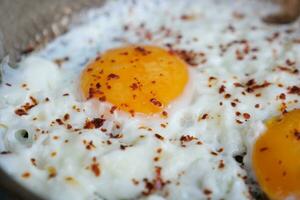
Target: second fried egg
[141,101]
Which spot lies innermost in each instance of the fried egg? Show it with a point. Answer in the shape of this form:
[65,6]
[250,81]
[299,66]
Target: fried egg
[157,100]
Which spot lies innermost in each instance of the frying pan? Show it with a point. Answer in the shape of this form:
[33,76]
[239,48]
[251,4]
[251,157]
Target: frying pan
[24,26]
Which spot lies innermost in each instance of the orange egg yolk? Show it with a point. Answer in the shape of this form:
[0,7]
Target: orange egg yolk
[276,157]
[142,79]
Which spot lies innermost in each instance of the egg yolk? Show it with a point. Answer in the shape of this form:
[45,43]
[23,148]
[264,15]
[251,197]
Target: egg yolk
[142,79]
[276,157]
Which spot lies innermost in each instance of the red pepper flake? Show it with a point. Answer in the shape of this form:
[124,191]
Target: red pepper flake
[212,78]
[108,86]
[164,113]
[149,187]
[239,55]
[156,102]
[59,122]
[283,108]
[294,90]
[233,104]
[26,107]
[51,172]
[297,134]
[273,37]
[132,113]
[118,126]
[95,123]
[123,147]
[220,150]
[246,116]
[222,89]
[66,117]
[91,69]
[290,63]
[257,106]
[187,17]
[280,85]
[55,137]
[69,126]
[156,159]
[26,175]
[227,96]
[142,50]
[102,99]
[108,142]
[251,82]
[207,192]
[33,161]
[20,112]
[263,149]
[34,101]
[190,57]
[163,125]
[98,85]
[258,95]
[288,69]
[89,145]
[112,76]
[254,86]
[238,121]
[112,109]
[116,136]
[134,86]
[187,138]
[66,94]
[28,49]
[156,184]
[284,173]
[60,61]
[159,150]
[221,164]
[135,182]
[282,96]
[148,35]
[159,136]
[204,116]
[231,28]
[95,169]
[98,122]
[91,93]
[70,179]
[254,57]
